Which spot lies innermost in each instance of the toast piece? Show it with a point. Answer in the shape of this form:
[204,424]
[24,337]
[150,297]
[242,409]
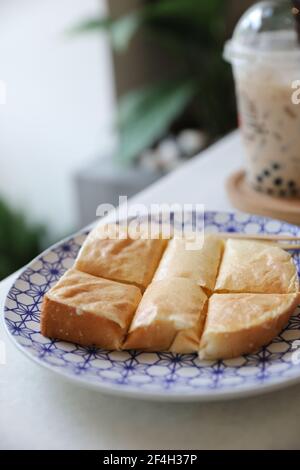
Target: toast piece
[200,265]
[88,310]
[170,317]
[240,324]
[256,267]
[110,253]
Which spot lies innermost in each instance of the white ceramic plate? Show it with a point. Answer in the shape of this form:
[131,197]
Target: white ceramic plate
[161,376]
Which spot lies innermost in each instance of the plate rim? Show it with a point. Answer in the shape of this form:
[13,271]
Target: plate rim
[213,396]
[156,395]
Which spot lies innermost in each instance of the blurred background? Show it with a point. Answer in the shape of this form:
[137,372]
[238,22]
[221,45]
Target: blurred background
[103,97]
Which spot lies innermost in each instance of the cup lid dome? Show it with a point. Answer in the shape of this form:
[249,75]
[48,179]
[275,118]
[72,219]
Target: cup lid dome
[266,30]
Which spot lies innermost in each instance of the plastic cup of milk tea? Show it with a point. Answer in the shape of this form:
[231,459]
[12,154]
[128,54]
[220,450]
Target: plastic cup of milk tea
[265,54]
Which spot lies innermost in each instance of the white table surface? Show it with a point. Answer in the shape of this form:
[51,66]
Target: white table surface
[39,410]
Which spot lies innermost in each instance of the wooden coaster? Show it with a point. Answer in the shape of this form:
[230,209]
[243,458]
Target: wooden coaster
[246,199]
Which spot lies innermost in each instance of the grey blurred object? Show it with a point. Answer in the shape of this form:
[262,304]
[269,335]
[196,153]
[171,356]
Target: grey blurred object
[102,182]
[173,151]
[169,154]
[191,141]
[150,161]
[164,158]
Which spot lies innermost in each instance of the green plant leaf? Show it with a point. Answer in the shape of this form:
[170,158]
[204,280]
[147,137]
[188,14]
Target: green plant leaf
[121,30]
[192,14]
[193,33]
[191,22]
[146,115]
[91,25]
[19,240]
[196,9]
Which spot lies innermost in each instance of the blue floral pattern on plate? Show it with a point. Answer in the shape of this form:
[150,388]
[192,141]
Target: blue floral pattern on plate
[148,375]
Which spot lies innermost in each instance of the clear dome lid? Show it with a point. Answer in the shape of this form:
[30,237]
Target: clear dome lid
[267,30]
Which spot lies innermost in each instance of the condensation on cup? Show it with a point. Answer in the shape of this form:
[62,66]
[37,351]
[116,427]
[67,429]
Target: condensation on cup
[265,55]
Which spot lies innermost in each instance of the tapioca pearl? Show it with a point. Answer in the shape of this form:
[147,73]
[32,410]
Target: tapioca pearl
[259,179]
[294,192]
[273,226]
[291,184]
[267,173]
[252,228]
[278,181]
[276,166]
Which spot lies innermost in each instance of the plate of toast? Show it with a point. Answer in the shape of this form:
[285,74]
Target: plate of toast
[198,317]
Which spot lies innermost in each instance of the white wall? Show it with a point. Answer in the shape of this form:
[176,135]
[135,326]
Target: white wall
[59,108]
